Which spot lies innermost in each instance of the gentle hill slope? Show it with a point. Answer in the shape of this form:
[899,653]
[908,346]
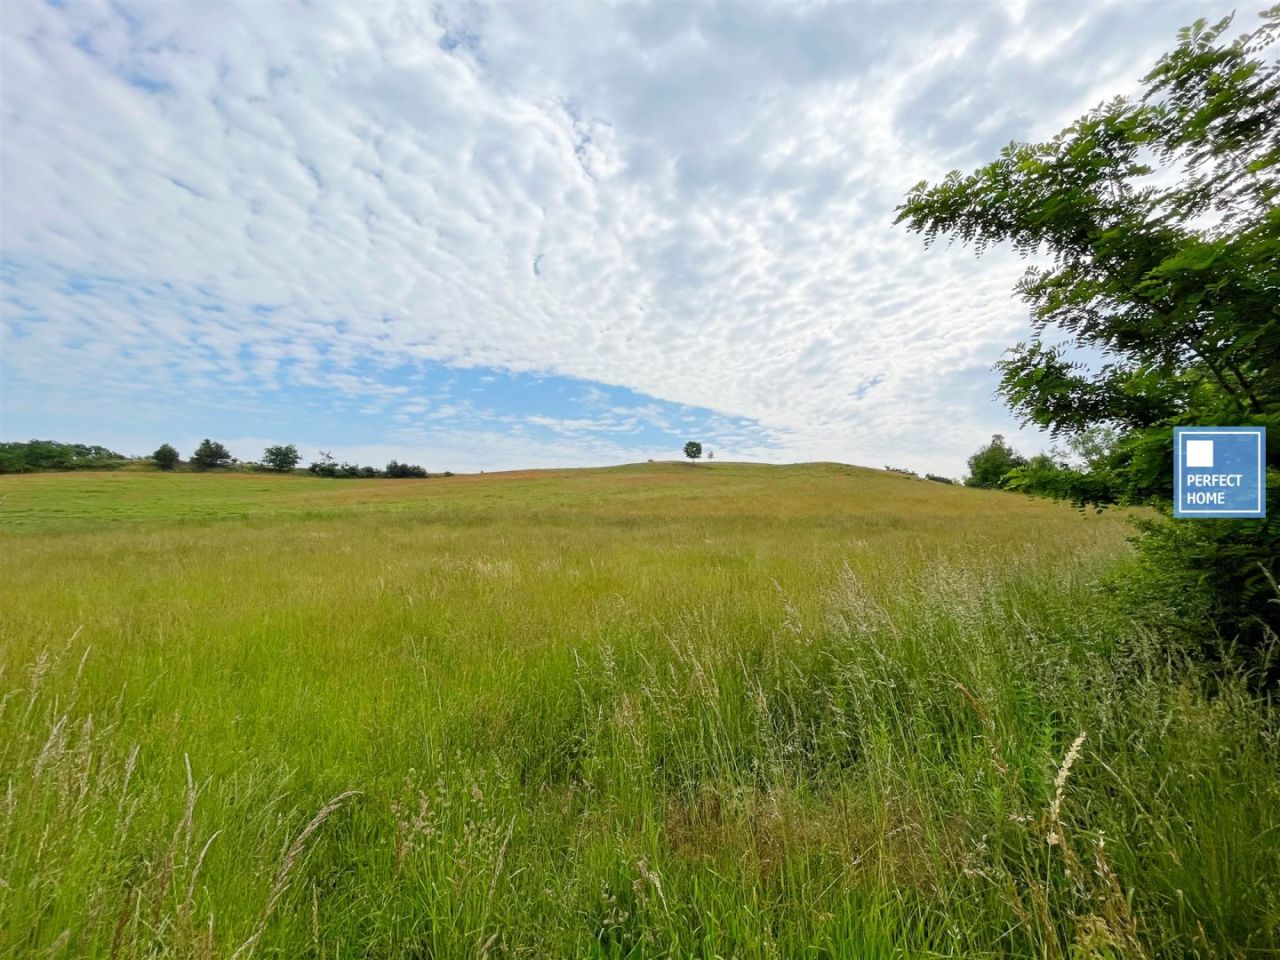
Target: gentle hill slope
[665,489]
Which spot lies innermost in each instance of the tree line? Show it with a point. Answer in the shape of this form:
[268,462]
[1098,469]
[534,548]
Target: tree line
[39,455]
[284,458]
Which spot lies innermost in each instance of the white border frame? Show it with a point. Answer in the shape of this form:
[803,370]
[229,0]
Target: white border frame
[1256,433]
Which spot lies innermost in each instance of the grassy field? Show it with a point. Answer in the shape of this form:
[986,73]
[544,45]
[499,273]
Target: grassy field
[657,710]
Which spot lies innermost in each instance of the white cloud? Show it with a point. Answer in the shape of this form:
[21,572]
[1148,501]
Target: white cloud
[227,203]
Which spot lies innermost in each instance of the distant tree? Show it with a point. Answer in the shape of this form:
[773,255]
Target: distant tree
[166,456]
[1082,473]
[711,454]
[693,450]
[990,465]
[209,455]
[281,458]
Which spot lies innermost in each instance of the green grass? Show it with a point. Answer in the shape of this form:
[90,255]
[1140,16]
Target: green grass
[658,710]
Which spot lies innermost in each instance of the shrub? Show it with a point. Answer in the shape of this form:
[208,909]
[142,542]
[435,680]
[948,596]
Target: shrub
[1219,573]
[396,470]
[166,456]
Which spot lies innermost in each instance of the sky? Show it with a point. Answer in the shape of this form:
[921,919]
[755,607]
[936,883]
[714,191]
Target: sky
[483,237]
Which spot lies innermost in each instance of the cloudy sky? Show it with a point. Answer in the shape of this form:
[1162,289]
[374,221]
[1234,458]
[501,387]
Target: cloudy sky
[521,235]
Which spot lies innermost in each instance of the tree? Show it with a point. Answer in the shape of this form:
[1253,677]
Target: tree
[990,465]
[326,466]
[1158,224]
[282,458]
[693,450]
[36,455]
[166,456]
[397,470]
[209,455]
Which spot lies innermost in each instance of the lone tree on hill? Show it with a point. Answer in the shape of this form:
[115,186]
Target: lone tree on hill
[210,454]
[1156,226]
[693,450]
[281,458]
[166,456]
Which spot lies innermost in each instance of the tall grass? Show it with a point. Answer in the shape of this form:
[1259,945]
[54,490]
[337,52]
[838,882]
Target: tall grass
[546,732]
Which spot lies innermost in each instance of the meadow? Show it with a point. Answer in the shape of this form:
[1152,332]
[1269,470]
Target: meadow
[660,710]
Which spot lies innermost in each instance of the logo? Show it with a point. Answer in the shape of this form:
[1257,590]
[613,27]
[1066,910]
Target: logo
[1219,472]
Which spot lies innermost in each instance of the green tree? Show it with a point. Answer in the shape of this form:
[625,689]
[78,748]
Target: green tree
[209,455]
[396,470]
[282,457]
[166,456]
[990,465]
[1158,233]
[693,450]
[36,455]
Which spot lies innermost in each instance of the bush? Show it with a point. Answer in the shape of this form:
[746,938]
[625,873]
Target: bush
[323,468]
[166,456]
[936,478]
[1219,573]
[327,466]
[396,470]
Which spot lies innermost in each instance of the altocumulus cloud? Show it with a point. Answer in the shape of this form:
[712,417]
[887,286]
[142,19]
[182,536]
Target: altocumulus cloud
[517,235]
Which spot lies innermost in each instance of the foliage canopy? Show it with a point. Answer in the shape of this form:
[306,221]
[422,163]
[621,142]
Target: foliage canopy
[990,465]
[281,457]
[166,456]
[38,455]
[210,454]
[1155,299]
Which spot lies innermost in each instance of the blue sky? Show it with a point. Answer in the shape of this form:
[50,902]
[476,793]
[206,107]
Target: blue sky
[484,237]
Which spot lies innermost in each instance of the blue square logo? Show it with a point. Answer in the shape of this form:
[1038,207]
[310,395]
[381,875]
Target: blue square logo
[1218,472]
